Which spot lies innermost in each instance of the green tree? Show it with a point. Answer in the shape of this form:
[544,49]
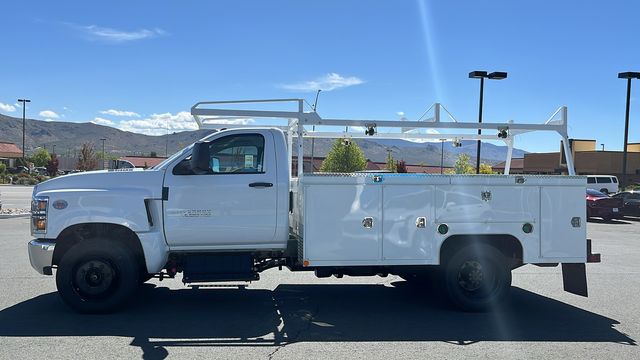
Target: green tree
[462,165]
[41,157]
[344,156]
[486,169]
[3,168]
[391,163]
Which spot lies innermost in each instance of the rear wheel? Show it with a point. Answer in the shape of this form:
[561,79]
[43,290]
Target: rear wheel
[97,276]
[477,277]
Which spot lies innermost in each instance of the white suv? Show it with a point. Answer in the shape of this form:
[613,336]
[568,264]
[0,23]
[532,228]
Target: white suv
[607,184]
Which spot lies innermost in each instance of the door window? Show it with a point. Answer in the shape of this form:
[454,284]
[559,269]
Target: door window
[604,180]
[591,180]
[233,154]
[237,154]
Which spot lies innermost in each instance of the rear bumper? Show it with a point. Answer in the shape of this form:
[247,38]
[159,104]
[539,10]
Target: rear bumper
[41,256]
[605,212]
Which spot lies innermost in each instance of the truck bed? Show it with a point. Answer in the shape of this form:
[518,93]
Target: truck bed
[400,219]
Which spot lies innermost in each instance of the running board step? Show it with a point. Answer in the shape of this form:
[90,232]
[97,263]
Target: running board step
[239,286]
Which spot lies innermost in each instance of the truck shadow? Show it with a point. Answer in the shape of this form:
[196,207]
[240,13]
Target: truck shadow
[160,318]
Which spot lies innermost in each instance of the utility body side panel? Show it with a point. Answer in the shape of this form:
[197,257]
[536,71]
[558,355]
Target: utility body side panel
[406,210]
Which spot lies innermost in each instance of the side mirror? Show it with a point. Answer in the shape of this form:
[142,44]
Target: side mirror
[200,158]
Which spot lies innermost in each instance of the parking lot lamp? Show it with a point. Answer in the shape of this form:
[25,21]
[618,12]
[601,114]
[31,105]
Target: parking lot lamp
[496,75]
[628,76]
[24,109]
[103,154]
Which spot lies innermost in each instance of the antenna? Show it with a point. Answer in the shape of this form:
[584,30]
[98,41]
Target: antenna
[315,103]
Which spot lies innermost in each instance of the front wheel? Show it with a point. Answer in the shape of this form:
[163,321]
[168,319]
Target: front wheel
[97,276]
[477,277]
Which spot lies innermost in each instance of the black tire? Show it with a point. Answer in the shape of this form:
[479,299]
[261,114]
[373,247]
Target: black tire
[97,276]
[144,277]
[477,278]
[604,191]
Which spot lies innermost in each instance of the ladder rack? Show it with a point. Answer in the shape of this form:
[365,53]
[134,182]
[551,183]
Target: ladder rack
[300,124]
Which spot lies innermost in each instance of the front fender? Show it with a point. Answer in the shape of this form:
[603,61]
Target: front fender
[124,207]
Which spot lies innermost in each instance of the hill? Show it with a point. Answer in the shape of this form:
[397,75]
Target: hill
[69,136]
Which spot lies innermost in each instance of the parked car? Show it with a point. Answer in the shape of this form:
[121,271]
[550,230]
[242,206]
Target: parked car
[603,206]
[19,169]
[606,184]
[631,202]
[40,170]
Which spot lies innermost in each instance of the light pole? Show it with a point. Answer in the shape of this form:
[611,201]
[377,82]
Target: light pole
[54,150]
[313,128]
[628,76]
[103,155]
[24,109]
[442,154]
[496,75]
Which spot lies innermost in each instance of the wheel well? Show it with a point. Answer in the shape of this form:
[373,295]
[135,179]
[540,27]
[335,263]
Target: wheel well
[81,232]
[509,245]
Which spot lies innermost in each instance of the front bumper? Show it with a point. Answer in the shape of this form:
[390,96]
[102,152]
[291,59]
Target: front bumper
[41,256]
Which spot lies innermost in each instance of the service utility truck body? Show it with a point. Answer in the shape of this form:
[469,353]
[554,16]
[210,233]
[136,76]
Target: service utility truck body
[227,207]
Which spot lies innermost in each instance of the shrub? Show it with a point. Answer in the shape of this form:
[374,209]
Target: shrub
[344,156]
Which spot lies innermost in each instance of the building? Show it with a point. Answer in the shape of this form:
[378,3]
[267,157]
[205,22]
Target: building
[517,166]
[9,153]
[143,161]
[588,161]
[371,166]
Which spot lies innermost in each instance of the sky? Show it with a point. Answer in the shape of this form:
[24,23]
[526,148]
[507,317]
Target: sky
[140,65]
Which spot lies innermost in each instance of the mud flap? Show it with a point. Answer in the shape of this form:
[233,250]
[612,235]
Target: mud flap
[574,278]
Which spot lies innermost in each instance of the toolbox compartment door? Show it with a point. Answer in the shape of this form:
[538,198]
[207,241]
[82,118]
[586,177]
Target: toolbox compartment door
[337,219]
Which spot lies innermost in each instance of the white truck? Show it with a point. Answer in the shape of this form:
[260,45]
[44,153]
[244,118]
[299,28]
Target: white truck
[227,208]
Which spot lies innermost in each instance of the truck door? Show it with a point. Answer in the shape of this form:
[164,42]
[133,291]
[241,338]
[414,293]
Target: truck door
[230,205]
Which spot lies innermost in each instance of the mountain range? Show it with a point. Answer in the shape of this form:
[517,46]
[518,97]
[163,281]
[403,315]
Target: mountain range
[68,137]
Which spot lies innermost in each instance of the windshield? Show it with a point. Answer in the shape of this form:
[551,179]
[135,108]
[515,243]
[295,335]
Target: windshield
[591,192]
[170,159]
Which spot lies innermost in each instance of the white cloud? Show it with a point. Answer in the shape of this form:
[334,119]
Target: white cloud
[119,113]
[95,32]
[159,124]
[7,107]
[101,121]
[327,82]
[400,113]
[422,131]
[49,114]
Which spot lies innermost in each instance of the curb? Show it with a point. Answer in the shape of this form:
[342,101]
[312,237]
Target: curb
[13,216]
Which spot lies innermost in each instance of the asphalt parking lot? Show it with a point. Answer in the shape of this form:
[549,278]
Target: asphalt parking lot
[292,316]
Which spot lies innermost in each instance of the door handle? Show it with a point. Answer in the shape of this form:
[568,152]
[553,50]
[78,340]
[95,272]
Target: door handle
[261,184]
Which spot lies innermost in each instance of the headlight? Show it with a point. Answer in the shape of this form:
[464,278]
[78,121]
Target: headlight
[39,207]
